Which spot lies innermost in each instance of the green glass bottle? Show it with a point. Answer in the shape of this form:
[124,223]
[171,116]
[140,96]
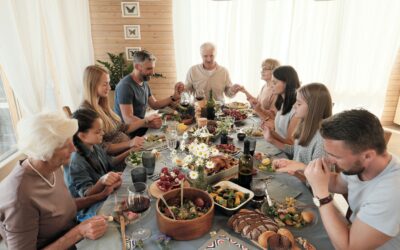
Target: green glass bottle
[245,166]
[210,106]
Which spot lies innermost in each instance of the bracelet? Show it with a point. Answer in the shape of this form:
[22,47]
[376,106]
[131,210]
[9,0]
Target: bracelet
[172,98]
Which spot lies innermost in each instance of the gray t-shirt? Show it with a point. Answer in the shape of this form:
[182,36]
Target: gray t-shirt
[130,92]
[305,154]
[377,202]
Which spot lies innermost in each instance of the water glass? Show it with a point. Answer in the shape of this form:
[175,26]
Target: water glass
[149,162]
[138,174]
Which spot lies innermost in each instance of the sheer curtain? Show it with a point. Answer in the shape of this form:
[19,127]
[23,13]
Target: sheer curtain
[349,45]
[44,49]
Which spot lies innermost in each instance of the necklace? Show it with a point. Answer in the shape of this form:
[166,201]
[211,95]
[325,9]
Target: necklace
[47,181]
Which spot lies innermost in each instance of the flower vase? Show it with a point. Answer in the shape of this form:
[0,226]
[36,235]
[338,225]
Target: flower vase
[200,182]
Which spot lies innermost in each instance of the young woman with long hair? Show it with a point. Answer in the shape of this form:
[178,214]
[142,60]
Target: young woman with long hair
[313,104]
[285,82]
[96,86]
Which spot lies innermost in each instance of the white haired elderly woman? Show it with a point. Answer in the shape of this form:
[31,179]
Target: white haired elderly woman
[36,209]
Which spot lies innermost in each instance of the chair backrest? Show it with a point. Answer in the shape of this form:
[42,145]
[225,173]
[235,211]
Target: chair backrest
[67,111]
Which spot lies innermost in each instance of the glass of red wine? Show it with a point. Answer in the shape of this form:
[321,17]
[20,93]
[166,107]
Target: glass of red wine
[200,94]
[185,99]
[139,202]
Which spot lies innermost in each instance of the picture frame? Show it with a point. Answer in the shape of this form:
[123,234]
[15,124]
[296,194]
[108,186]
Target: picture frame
[132,32]
[129,52]
[130,9]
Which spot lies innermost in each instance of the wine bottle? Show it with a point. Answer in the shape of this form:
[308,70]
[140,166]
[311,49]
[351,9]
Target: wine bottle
[210,106]
[245,166]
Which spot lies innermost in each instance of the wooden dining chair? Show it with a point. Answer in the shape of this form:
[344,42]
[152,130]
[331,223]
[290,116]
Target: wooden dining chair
[67,111]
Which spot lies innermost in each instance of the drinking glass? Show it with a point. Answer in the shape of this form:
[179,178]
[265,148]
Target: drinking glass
[258,187]
[138,174]
[199,94]
[185,99]
[252,145]
[139,202]
[149,162]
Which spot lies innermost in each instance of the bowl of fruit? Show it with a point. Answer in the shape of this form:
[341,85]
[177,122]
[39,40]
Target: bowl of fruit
[169,179]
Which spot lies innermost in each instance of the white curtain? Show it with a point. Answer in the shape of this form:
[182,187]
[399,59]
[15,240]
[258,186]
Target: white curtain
[349,45]
[45,46]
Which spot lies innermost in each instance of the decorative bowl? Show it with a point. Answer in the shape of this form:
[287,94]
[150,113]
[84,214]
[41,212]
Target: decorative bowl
[185,229]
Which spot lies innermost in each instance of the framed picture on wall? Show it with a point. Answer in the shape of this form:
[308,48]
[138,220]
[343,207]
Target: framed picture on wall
[129,52]
[132,32]
[130,9]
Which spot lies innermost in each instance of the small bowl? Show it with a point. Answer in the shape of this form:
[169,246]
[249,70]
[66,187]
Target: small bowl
[231,185]
[241,136]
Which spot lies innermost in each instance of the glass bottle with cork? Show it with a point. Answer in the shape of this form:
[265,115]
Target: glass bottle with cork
[245,166]
[210,107]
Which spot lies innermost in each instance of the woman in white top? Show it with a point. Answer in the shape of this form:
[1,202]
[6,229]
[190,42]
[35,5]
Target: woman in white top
[285,82]
[313,104]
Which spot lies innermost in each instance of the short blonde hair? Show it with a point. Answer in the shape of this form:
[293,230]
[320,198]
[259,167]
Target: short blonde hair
[270,63]
[39,135]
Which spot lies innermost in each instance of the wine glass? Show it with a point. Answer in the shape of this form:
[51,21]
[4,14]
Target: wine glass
[139,202]
[185,99]
[199,94]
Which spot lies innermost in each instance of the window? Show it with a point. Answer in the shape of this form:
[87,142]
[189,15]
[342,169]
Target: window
[7,133]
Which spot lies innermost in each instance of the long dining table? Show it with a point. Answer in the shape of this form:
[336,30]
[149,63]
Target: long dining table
[315,233]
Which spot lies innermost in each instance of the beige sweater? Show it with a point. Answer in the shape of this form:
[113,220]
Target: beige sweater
[217,80]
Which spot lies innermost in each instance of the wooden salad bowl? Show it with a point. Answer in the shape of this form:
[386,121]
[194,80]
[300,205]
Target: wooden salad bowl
[185,229]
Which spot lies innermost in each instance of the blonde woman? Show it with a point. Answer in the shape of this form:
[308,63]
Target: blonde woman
[313,104]
[96,86]
[264,104]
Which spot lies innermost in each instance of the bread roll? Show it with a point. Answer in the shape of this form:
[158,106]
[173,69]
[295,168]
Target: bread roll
[308,216]
[263,238]
[288,234]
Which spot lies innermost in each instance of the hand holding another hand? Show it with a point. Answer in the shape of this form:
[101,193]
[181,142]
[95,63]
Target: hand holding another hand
[93,228]
[110,178]
[136,143]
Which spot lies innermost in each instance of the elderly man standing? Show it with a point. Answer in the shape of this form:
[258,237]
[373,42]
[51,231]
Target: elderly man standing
[133,94]
[209,75]
[354,142]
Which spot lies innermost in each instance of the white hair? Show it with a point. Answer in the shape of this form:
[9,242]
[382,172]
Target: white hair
[207,46]
[39,135]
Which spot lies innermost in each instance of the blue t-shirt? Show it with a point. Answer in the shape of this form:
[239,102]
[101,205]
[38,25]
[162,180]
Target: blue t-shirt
[130,92]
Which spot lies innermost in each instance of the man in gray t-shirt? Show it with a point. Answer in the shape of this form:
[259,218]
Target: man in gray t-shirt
[354,142]
[133,94]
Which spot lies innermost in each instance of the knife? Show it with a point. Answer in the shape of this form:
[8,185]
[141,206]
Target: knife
[268,197]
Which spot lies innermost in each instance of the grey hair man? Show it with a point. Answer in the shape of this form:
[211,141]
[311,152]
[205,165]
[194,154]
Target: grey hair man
[210,76]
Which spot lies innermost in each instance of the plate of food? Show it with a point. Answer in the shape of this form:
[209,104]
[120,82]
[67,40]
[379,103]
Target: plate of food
[237,105]
[254,132]
[154,141]
[291,213]
[265,165]
[134,159]
[169,179]
[229,196]
[237,115]
[229,149]
[221,163]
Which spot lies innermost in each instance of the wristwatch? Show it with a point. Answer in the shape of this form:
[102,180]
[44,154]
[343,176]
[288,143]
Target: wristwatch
[319,202]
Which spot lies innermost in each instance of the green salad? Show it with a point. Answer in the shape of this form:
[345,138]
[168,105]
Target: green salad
[135,158]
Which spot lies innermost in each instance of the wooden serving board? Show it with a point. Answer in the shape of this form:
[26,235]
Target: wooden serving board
[156,192]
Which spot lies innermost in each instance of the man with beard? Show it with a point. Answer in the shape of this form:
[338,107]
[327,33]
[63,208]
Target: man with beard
[354,143]
[210,75]
[133,94]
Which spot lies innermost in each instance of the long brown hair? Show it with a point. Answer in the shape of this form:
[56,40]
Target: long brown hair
[91,80]
[319,103]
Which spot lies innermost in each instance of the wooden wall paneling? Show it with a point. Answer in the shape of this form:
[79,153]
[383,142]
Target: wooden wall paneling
[392,95]
[156,29]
